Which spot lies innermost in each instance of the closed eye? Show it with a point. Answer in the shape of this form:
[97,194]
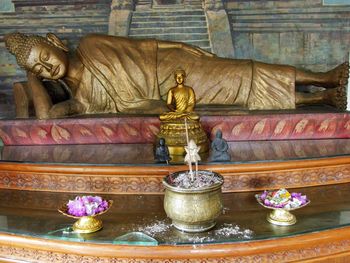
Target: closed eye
[45,56]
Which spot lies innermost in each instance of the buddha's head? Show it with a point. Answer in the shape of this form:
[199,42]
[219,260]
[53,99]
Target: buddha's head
[161,141]
[218,134]
[45,57]
[180,76]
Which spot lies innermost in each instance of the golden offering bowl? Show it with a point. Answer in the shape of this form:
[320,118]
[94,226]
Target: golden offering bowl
[193,210]
[280,216]
[86,224]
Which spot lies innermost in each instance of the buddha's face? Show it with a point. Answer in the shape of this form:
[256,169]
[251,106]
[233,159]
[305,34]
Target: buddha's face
[180,78]
[47,61]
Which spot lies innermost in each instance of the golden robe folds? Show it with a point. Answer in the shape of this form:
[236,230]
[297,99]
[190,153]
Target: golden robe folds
[119,72]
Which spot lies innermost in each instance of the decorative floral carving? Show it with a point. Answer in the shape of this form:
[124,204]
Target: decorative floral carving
[144,129]
[287,179]
[34,255]
[78,183]
[118,183]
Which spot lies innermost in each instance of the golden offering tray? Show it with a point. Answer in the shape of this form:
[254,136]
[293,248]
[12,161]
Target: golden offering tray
[281,216]
[86,224]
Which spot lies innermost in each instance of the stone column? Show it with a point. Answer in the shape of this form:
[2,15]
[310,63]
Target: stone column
[219,28]
[120,17]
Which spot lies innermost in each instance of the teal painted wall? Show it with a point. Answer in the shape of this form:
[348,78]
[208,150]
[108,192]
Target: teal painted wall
[6,6]
[305,34]
[336,2]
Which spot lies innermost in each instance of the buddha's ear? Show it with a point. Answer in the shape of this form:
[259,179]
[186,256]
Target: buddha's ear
[56,41]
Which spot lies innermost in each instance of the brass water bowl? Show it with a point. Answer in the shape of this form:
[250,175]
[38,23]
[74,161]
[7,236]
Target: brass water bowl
[193,210]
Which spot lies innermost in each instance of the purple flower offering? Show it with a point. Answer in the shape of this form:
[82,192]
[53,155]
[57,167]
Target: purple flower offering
[86,206]
[282,199]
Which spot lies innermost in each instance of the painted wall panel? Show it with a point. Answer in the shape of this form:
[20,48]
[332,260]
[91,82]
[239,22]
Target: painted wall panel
[336,2]
[6,6]
[292,43]
[266,47]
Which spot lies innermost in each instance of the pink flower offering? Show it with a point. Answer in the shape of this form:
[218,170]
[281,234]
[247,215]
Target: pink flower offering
[86,206]
[282,199]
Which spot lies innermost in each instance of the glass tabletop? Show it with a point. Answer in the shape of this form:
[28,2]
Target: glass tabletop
[141,220]
[143,154]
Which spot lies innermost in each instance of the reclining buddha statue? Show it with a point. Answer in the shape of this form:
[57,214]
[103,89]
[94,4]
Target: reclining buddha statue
[109,74]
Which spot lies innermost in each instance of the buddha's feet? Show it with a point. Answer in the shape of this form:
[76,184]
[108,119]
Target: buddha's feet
[338,77]
[337,97]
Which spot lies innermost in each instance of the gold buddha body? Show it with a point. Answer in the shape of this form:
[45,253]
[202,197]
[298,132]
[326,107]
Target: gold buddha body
[181,123]
[109,74]
[181,100]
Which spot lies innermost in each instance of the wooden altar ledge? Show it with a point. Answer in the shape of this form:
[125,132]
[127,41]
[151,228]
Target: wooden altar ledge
[147,179]
[325,246]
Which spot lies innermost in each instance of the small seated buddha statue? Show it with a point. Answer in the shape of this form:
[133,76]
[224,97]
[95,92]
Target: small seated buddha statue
[181,100]
[181,123]
[219,149]
[162,152]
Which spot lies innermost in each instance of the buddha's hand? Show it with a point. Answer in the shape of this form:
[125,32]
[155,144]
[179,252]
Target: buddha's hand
[32,78]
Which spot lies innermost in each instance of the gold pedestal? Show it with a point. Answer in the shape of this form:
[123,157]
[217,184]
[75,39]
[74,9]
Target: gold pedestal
[174,133]
[281,217]
[87,224]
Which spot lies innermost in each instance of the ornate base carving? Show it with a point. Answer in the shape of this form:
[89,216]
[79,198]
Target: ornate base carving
[137,129]
[174,133]
[148,179]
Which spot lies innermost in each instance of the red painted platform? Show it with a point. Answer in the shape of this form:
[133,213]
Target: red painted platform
[137,129]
